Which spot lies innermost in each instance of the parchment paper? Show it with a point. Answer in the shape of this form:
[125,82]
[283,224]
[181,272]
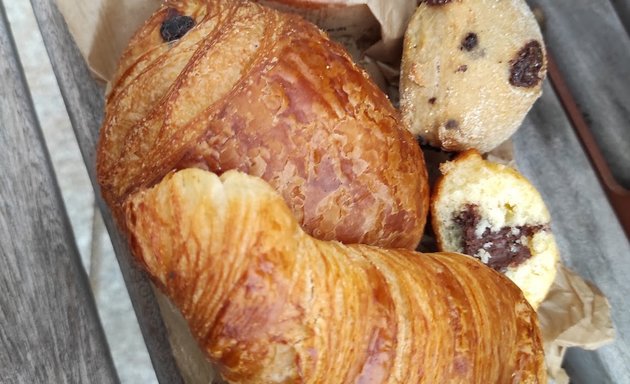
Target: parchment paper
[575,313]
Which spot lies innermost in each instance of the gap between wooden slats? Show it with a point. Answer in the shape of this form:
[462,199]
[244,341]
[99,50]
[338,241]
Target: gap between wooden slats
[592,49]
[49,328]
[83,98]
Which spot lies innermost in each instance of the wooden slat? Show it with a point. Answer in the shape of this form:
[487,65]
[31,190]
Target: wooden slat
[83,98]
[590,238]
[49,327]
[592,49]
[618,196]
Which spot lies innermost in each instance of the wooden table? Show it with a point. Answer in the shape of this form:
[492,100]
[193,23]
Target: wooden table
[49,329]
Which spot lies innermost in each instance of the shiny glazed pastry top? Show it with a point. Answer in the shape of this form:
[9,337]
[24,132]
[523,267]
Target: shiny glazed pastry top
[223,85]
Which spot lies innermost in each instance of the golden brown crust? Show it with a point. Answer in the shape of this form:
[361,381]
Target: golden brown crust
[271,304]
[266,93]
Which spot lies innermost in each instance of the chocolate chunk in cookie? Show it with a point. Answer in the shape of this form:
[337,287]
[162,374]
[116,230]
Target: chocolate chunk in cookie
[452,124]
[469,42]
[527,65]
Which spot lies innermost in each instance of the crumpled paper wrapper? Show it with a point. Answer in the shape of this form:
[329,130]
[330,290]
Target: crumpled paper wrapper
[575,313]
[102,29]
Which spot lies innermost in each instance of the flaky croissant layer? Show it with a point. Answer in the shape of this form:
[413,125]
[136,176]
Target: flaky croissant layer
[270,304]
[266,93]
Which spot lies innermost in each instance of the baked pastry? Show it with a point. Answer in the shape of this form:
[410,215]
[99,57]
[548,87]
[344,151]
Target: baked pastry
[490,211]
[345,21]
[471,70]
[270,304]
[223,85]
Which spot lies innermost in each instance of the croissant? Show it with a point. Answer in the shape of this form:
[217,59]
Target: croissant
[223,85]
[271,304]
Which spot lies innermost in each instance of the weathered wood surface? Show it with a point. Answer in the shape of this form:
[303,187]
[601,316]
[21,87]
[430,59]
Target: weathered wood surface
[84,101]
[592,49]
[49,327]
[591,240]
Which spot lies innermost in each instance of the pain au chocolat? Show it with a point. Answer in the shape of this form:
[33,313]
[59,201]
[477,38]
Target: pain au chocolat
[222,85]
